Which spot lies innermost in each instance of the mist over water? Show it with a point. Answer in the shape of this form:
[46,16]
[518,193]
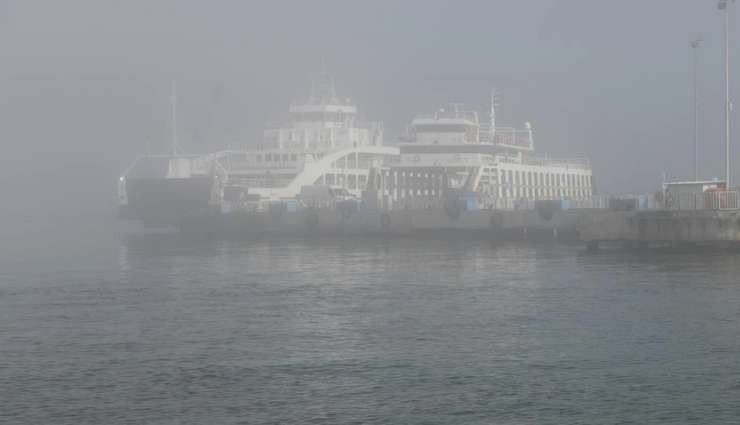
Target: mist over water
[103,322]
[156,329]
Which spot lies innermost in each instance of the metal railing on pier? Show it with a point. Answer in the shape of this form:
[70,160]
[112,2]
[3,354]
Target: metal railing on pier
[703,201]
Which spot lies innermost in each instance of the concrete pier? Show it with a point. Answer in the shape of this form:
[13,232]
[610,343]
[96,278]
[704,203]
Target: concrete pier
[645,228]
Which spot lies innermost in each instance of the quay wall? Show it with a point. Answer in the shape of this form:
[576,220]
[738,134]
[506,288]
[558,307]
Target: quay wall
[503,224]
[660,226]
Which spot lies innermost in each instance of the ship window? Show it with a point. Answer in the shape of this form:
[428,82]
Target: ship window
[293,157]
[268,157]
[285,157]
[259,158]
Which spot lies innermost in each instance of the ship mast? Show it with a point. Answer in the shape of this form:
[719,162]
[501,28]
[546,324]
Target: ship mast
[493,114]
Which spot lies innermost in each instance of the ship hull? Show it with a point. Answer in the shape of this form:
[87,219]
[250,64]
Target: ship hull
[433,223]
[171,201]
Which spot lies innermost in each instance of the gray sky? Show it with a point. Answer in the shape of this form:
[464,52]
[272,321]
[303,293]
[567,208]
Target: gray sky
[84,84]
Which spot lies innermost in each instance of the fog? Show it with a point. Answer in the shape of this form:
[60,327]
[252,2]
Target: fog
[455,284]
[84,85]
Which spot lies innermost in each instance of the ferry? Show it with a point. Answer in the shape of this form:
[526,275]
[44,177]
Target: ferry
[326,160]
[496,167]
[323,143]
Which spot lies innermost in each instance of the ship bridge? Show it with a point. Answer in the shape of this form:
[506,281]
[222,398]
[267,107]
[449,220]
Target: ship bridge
[323,107]
[323,122]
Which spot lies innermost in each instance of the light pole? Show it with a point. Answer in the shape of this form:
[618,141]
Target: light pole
[173,117]
[694,48]
[723,5]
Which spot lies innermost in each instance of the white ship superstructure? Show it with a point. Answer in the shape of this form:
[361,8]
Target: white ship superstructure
[452,149]
[323,143]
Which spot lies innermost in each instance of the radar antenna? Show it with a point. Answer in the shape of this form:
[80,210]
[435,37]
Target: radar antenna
[494,103]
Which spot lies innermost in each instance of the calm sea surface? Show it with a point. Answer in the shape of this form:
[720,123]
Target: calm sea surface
[103,327]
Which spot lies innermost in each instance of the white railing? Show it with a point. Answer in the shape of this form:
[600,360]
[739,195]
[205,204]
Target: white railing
[449,115]
[513,137]
[577,163]
[703,201]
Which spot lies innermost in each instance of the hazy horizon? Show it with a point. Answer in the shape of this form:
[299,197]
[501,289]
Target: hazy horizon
[85,86]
